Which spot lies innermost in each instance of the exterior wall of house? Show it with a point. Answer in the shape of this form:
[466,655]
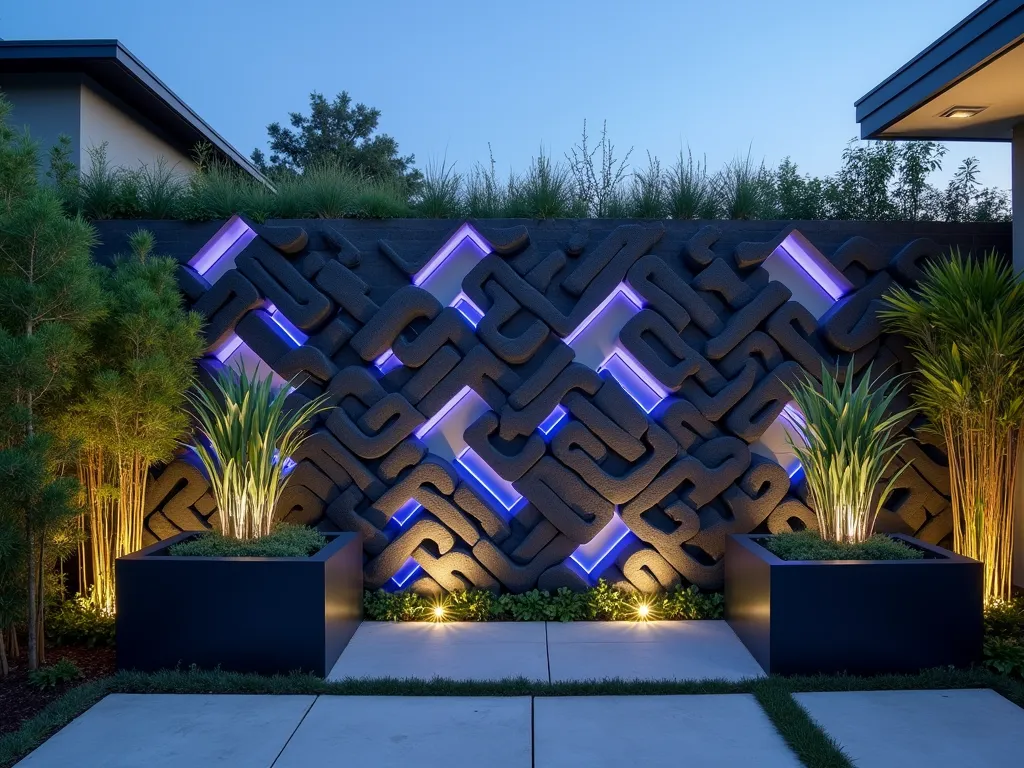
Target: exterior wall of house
[48,105]
[129,143]
[51,105]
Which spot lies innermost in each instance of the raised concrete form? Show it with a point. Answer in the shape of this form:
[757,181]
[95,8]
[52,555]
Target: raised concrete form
[551,652]
[174,731]
[655,650]
[460,651]
[426,732]
[616,731]
[939,729]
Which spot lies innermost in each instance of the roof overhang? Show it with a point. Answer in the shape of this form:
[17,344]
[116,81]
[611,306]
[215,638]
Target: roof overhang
[978,63]
[113,67]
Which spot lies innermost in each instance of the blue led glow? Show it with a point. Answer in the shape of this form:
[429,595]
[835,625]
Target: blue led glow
[631,380]
[406,511]
[492,482]
[594,556]
[553,420]
[286,325]
[402,576]
[468,309]
[387,362]
[796,470]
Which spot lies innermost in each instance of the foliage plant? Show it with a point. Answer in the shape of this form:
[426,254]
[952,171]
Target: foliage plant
[309,179]
[249,433]
[602,602]
[688,189]
[129,411]
[339,134]
[1004,636]
[64,671]
[965,326]
[440,195]
[49,297]
[283,541]
[808,545]
[596,182]
[846,447]
[79,621]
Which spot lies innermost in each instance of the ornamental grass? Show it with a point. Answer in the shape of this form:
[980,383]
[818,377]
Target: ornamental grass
[965,325]
[249,434]
[848,445]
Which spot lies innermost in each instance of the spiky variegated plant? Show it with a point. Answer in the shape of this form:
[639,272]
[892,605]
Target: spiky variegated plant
[848,446]
[250,436]
[965,323]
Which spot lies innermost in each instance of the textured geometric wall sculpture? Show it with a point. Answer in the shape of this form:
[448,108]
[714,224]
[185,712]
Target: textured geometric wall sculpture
[546,404]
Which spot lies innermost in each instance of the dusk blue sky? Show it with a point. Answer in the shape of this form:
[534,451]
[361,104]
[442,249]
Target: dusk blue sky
[779,76]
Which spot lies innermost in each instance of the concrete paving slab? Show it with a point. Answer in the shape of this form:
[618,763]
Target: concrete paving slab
[616,731]
[461,651]
[939,729]
[657,650]
[174,731]
[453,632]
[399,732]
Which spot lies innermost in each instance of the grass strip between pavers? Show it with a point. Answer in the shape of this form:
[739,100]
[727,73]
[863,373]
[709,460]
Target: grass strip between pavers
[812,745]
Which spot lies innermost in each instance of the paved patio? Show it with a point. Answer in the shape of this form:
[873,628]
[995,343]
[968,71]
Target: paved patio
[892,728]
[547,651]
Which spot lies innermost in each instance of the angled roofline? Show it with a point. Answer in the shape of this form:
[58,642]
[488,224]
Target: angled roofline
[986,33]
[79,54]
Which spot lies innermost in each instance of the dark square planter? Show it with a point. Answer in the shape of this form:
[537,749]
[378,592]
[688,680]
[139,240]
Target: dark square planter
[861,617]
[244,614]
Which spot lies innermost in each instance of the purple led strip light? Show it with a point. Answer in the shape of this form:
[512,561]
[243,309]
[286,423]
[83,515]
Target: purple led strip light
[616,531]
[831,280]
[230,238]
[466,230]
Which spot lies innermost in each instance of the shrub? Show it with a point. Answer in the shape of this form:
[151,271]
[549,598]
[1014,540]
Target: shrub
[1004,636]
[441,194]
[691,603]
[249,437]
[64,671]
[381,200]
[105,191]
[283,541]
[846,447]
[544,192]
[808,545]
[744,190]
[689,191]
[484,193]
[161,191]
[81,621]
[647,199]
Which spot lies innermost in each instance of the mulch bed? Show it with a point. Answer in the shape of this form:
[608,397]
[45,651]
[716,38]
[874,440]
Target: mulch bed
[19,700]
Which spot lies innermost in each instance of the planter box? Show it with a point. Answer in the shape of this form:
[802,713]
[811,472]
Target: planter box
[245,614]
[861,617]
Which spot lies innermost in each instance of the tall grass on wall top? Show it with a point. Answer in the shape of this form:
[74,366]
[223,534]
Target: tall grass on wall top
[847,448]
[965,323]
[250,435]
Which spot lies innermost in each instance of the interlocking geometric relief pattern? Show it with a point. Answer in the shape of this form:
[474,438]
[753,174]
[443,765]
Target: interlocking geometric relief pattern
[539,406]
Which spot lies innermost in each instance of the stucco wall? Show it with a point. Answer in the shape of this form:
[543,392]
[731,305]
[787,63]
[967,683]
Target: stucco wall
[129,143]
[51,105]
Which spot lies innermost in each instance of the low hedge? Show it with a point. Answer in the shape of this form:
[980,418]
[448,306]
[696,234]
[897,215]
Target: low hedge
[602,602]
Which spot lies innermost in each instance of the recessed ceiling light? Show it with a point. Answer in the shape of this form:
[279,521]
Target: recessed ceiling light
[962,113]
